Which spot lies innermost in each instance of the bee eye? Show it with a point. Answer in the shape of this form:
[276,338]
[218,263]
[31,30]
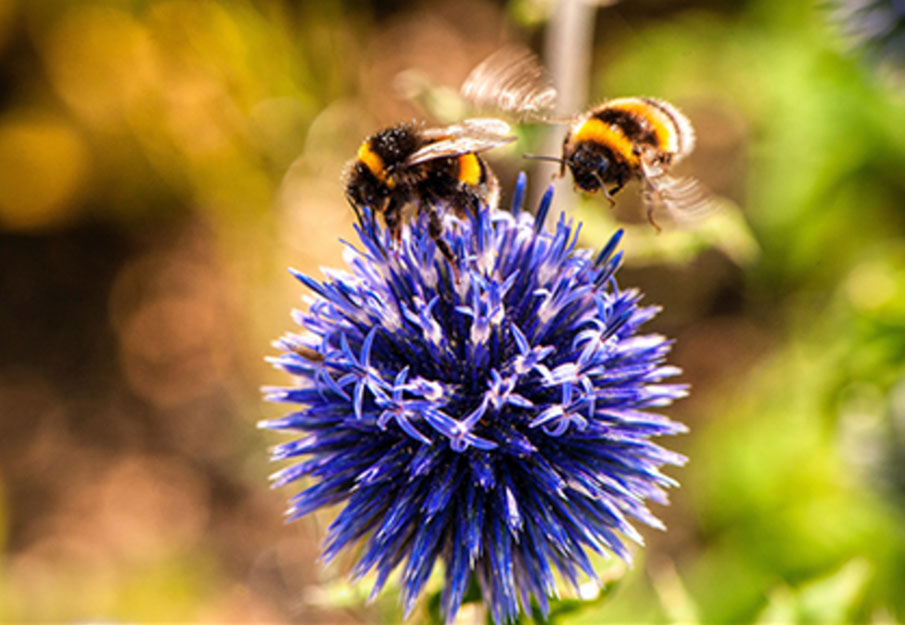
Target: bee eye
[593,161]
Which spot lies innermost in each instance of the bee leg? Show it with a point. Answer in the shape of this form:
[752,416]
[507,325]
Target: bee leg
[372,225]
[651,198]
[370,229]
[392,218]
[435,230]
[356,209]
[373,222]
[607,194]
[650,218]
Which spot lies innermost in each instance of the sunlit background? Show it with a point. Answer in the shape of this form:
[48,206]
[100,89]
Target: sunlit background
[162,162]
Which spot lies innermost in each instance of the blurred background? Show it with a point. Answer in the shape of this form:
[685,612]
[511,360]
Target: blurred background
[163,161]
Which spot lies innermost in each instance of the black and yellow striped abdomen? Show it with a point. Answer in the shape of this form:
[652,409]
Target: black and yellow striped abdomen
[608,143]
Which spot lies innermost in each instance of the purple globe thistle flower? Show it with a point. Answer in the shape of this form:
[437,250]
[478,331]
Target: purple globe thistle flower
[496,418]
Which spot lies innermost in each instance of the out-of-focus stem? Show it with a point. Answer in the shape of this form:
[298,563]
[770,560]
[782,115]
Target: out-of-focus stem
[567,51]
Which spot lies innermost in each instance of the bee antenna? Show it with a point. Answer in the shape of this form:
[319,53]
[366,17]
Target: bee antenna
[540,157]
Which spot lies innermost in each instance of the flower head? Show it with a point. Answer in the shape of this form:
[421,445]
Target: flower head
[497,418]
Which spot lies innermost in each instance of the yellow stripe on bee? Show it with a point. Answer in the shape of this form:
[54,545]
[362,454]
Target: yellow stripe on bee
[597,131]
[372,160]
[469,169]
[663,126]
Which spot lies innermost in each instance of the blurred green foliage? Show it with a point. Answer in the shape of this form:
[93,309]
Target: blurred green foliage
[795,524]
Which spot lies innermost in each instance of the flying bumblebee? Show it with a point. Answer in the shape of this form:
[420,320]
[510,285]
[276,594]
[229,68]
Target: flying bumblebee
[429,169]
[613,143]
[634,137]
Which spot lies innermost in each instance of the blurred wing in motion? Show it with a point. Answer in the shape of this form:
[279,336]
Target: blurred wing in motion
[489,127]
[471,135]
[511,80]
[685,199]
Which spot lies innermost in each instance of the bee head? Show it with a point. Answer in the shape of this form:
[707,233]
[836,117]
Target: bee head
[363,188]
[588,165]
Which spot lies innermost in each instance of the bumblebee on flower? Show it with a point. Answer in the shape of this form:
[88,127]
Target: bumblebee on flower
[499,420]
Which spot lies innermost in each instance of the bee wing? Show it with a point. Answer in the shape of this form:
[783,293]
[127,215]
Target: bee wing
[685,199]
[490,127]
[472,135]
[511,80]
